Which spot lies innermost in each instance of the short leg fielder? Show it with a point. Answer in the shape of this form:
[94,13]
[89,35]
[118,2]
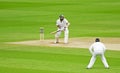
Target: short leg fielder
[96,49]
[93,59]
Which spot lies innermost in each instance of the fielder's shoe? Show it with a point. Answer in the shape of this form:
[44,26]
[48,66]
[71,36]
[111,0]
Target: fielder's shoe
[107,67]
[88,68]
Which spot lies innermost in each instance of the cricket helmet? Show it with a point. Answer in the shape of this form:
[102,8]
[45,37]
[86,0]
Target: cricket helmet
[61,16]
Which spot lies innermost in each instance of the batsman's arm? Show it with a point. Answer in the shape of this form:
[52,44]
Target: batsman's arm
[67,25]
[55,31]
[59,27]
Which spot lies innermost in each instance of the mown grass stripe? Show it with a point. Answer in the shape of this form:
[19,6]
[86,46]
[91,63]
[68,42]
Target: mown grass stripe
[43,56]
[39,65]
[23,70]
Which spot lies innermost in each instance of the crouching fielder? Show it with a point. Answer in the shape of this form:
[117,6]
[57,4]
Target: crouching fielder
[62,25]
[97,48]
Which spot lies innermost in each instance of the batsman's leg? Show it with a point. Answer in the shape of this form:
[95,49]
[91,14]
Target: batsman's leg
[66,35]
[57,37]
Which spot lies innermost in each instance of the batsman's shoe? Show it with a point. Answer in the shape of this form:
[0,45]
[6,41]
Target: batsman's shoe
[65,42]
[56,42]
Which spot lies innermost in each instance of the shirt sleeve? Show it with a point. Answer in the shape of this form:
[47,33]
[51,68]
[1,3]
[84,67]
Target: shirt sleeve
[66,20]
[57,22]
[104,48]
[67,23]
[91,49]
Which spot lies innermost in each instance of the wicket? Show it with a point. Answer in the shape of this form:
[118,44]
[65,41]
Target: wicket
[41,33]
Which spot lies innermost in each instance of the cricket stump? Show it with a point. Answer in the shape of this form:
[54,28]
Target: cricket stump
[41,33]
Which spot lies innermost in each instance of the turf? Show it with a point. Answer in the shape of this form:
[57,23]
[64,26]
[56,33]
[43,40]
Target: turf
[21,20]
[30,59]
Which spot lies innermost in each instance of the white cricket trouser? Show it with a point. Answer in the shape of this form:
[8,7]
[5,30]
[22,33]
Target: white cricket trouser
[92,61]
[66,35]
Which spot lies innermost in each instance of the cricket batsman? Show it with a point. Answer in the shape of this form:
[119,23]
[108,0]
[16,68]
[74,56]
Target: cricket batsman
[96,49]
[62,25]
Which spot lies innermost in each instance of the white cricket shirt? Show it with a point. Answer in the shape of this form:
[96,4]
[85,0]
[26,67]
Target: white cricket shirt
[62,24]
[97,47]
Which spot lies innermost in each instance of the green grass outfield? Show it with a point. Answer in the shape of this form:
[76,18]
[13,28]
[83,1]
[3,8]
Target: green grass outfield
[20,20]
[31,59]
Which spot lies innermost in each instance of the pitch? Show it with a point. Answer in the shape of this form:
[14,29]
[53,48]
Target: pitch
[84,42]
